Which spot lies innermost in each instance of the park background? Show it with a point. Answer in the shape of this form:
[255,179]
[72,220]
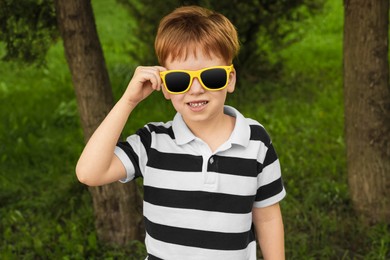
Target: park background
[45,213]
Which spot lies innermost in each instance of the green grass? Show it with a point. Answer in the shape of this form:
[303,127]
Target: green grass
[45,213]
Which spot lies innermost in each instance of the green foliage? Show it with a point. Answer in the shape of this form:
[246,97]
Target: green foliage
[45,213]
[28,28]
[264,27]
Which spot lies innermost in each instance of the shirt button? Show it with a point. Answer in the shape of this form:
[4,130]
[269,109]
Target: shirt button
[211,160]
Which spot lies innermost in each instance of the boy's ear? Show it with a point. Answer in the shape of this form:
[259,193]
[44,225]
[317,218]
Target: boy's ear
[232,81]
[167,95]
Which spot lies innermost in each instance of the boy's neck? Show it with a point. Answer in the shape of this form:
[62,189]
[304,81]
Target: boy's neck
[214,132]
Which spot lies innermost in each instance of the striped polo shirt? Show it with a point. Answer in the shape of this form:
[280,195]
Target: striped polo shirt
[198,203]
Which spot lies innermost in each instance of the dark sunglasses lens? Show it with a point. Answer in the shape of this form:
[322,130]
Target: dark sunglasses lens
[214,78]
[177,81]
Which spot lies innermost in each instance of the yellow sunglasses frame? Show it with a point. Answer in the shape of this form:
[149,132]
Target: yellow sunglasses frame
[196,74]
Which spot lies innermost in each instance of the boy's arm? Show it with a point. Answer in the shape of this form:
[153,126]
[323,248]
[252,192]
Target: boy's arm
[270,232]
[98,164]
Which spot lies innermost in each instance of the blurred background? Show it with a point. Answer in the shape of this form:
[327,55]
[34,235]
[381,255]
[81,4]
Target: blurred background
[290,73]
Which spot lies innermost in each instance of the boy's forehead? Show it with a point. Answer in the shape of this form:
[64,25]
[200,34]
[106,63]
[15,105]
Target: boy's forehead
[192,55]
[194,62]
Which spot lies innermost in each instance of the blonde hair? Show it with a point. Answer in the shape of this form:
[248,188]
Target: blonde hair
[189,28]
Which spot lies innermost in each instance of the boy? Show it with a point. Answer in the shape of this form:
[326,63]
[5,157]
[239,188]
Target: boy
[212,179]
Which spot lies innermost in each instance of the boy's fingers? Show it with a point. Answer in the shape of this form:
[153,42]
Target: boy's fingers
[154,82]
[151,74]
[159,81]
[160,68]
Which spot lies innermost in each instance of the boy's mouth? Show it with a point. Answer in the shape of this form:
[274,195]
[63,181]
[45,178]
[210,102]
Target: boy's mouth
[197,104]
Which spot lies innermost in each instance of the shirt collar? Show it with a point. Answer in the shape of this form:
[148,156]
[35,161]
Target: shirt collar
[183,134]
[241,132]
[239,136]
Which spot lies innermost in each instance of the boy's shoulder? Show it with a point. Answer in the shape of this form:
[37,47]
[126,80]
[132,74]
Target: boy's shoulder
[152,128]
[257,131]
[248,120]
[159,126]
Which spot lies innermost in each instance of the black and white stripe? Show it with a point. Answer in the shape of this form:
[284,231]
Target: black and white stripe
[197,203]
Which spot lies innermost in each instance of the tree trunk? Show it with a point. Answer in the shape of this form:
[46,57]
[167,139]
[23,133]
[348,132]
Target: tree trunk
[367,106]
[117,206]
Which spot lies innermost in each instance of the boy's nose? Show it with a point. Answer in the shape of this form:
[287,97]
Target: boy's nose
[196,87]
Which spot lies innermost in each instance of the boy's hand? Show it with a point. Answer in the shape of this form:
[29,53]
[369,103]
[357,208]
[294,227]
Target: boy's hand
[145,80]
[97,164]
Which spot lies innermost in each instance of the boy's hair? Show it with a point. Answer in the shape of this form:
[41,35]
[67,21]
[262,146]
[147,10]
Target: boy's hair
[191,27]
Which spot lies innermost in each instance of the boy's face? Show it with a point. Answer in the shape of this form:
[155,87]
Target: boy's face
[199,104]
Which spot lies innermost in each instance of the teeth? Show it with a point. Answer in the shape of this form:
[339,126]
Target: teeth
[198,104]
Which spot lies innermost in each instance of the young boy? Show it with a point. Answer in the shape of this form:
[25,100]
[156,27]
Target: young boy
[212,179]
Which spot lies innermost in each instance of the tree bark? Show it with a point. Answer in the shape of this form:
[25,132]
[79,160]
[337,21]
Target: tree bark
[367,106]
[117,206]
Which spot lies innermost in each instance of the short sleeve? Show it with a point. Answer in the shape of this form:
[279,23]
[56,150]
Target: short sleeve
[270,188]
[121,154]
[133,153]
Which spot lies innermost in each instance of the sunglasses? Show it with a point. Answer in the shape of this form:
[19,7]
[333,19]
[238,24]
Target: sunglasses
[212,78]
